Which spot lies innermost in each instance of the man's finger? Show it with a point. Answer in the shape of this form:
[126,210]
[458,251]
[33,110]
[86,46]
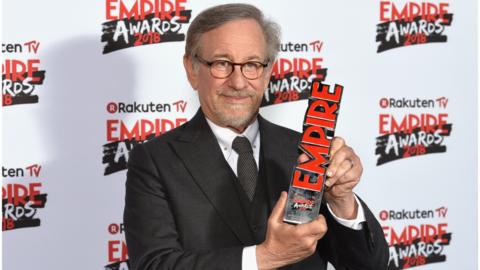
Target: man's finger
[302,158]
[316,227]
[277,212]
[337,143]
[345,167]
[335,161]
[351,176]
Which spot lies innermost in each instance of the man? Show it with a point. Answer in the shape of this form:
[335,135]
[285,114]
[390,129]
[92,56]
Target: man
[192,201]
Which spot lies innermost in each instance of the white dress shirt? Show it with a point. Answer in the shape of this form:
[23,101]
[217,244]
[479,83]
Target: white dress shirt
[225,138]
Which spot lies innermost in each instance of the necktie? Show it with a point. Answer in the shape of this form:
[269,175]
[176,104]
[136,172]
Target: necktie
[246,166]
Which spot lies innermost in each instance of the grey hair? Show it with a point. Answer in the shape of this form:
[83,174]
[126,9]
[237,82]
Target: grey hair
[216,16]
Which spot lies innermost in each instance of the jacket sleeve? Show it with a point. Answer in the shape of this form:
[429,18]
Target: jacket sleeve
[349,249]
[150,230]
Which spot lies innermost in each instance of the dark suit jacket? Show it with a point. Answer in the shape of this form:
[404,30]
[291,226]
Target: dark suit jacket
[182,209]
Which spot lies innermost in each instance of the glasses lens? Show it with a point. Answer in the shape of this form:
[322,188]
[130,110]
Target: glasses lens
[252,70]
[221,69]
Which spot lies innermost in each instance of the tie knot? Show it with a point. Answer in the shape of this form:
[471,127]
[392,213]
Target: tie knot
[242,145]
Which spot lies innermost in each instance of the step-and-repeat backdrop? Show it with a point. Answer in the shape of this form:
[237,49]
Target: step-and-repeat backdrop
[85,81]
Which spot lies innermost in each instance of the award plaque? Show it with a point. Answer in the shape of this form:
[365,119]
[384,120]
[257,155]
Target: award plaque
[308,178]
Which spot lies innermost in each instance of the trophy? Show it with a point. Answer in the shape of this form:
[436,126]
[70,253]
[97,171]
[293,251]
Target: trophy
[308,178]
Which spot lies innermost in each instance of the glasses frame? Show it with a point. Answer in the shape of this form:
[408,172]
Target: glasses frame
[233,64]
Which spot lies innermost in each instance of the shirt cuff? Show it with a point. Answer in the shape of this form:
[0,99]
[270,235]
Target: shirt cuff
[249,258]
[356,223]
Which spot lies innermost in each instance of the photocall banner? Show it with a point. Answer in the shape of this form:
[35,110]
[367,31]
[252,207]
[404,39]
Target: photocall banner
[83,82]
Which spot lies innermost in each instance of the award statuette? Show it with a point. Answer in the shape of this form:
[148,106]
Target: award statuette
[308,178]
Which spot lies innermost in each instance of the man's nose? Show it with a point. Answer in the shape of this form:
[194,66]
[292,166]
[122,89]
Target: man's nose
[237,81]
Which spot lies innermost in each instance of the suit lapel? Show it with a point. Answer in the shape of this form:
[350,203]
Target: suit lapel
[278,161]
[202,157]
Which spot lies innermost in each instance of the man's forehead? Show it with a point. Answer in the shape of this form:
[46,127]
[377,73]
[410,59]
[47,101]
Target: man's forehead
[239,38]
[248,56]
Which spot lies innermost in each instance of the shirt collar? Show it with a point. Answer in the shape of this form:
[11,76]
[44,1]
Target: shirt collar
[225,136]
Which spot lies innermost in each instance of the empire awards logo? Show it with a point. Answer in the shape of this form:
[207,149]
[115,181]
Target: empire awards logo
[411,24]
[411,127]
[143,22]
[297,66]
[21,73]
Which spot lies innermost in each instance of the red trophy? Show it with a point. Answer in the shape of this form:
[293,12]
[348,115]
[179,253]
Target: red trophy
[308,178]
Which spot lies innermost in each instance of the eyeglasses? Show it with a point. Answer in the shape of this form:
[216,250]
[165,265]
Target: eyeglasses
[222,69]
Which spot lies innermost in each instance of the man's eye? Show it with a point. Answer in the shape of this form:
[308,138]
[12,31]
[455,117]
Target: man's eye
[220,64]
[251,65]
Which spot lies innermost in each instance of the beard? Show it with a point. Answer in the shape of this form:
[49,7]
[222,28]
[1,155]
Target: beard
[237,116]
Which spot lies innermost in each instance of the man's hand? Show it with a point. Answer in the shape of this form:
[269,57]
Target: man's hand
[286,243]
[343,174]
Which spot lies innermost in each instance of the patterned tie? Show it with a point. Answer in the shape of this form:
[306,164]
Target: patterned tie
[246,166]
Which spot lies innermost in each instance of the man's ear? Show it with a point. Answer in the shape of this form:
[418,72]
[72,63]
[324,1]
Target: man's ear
[191,72]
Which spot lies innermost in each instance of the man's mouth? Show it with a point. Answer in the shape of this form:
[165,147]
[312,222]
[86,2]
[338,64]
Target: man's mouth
[236,99]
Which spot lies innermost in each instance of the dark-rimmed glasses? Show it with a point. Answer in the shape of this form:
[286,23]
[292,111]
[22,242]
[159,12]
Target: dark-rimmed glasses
[222,69]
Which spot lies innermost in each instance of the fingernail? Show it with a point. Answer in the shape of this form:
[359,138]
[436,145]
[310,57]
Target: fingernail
[329,174]
[327,183]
